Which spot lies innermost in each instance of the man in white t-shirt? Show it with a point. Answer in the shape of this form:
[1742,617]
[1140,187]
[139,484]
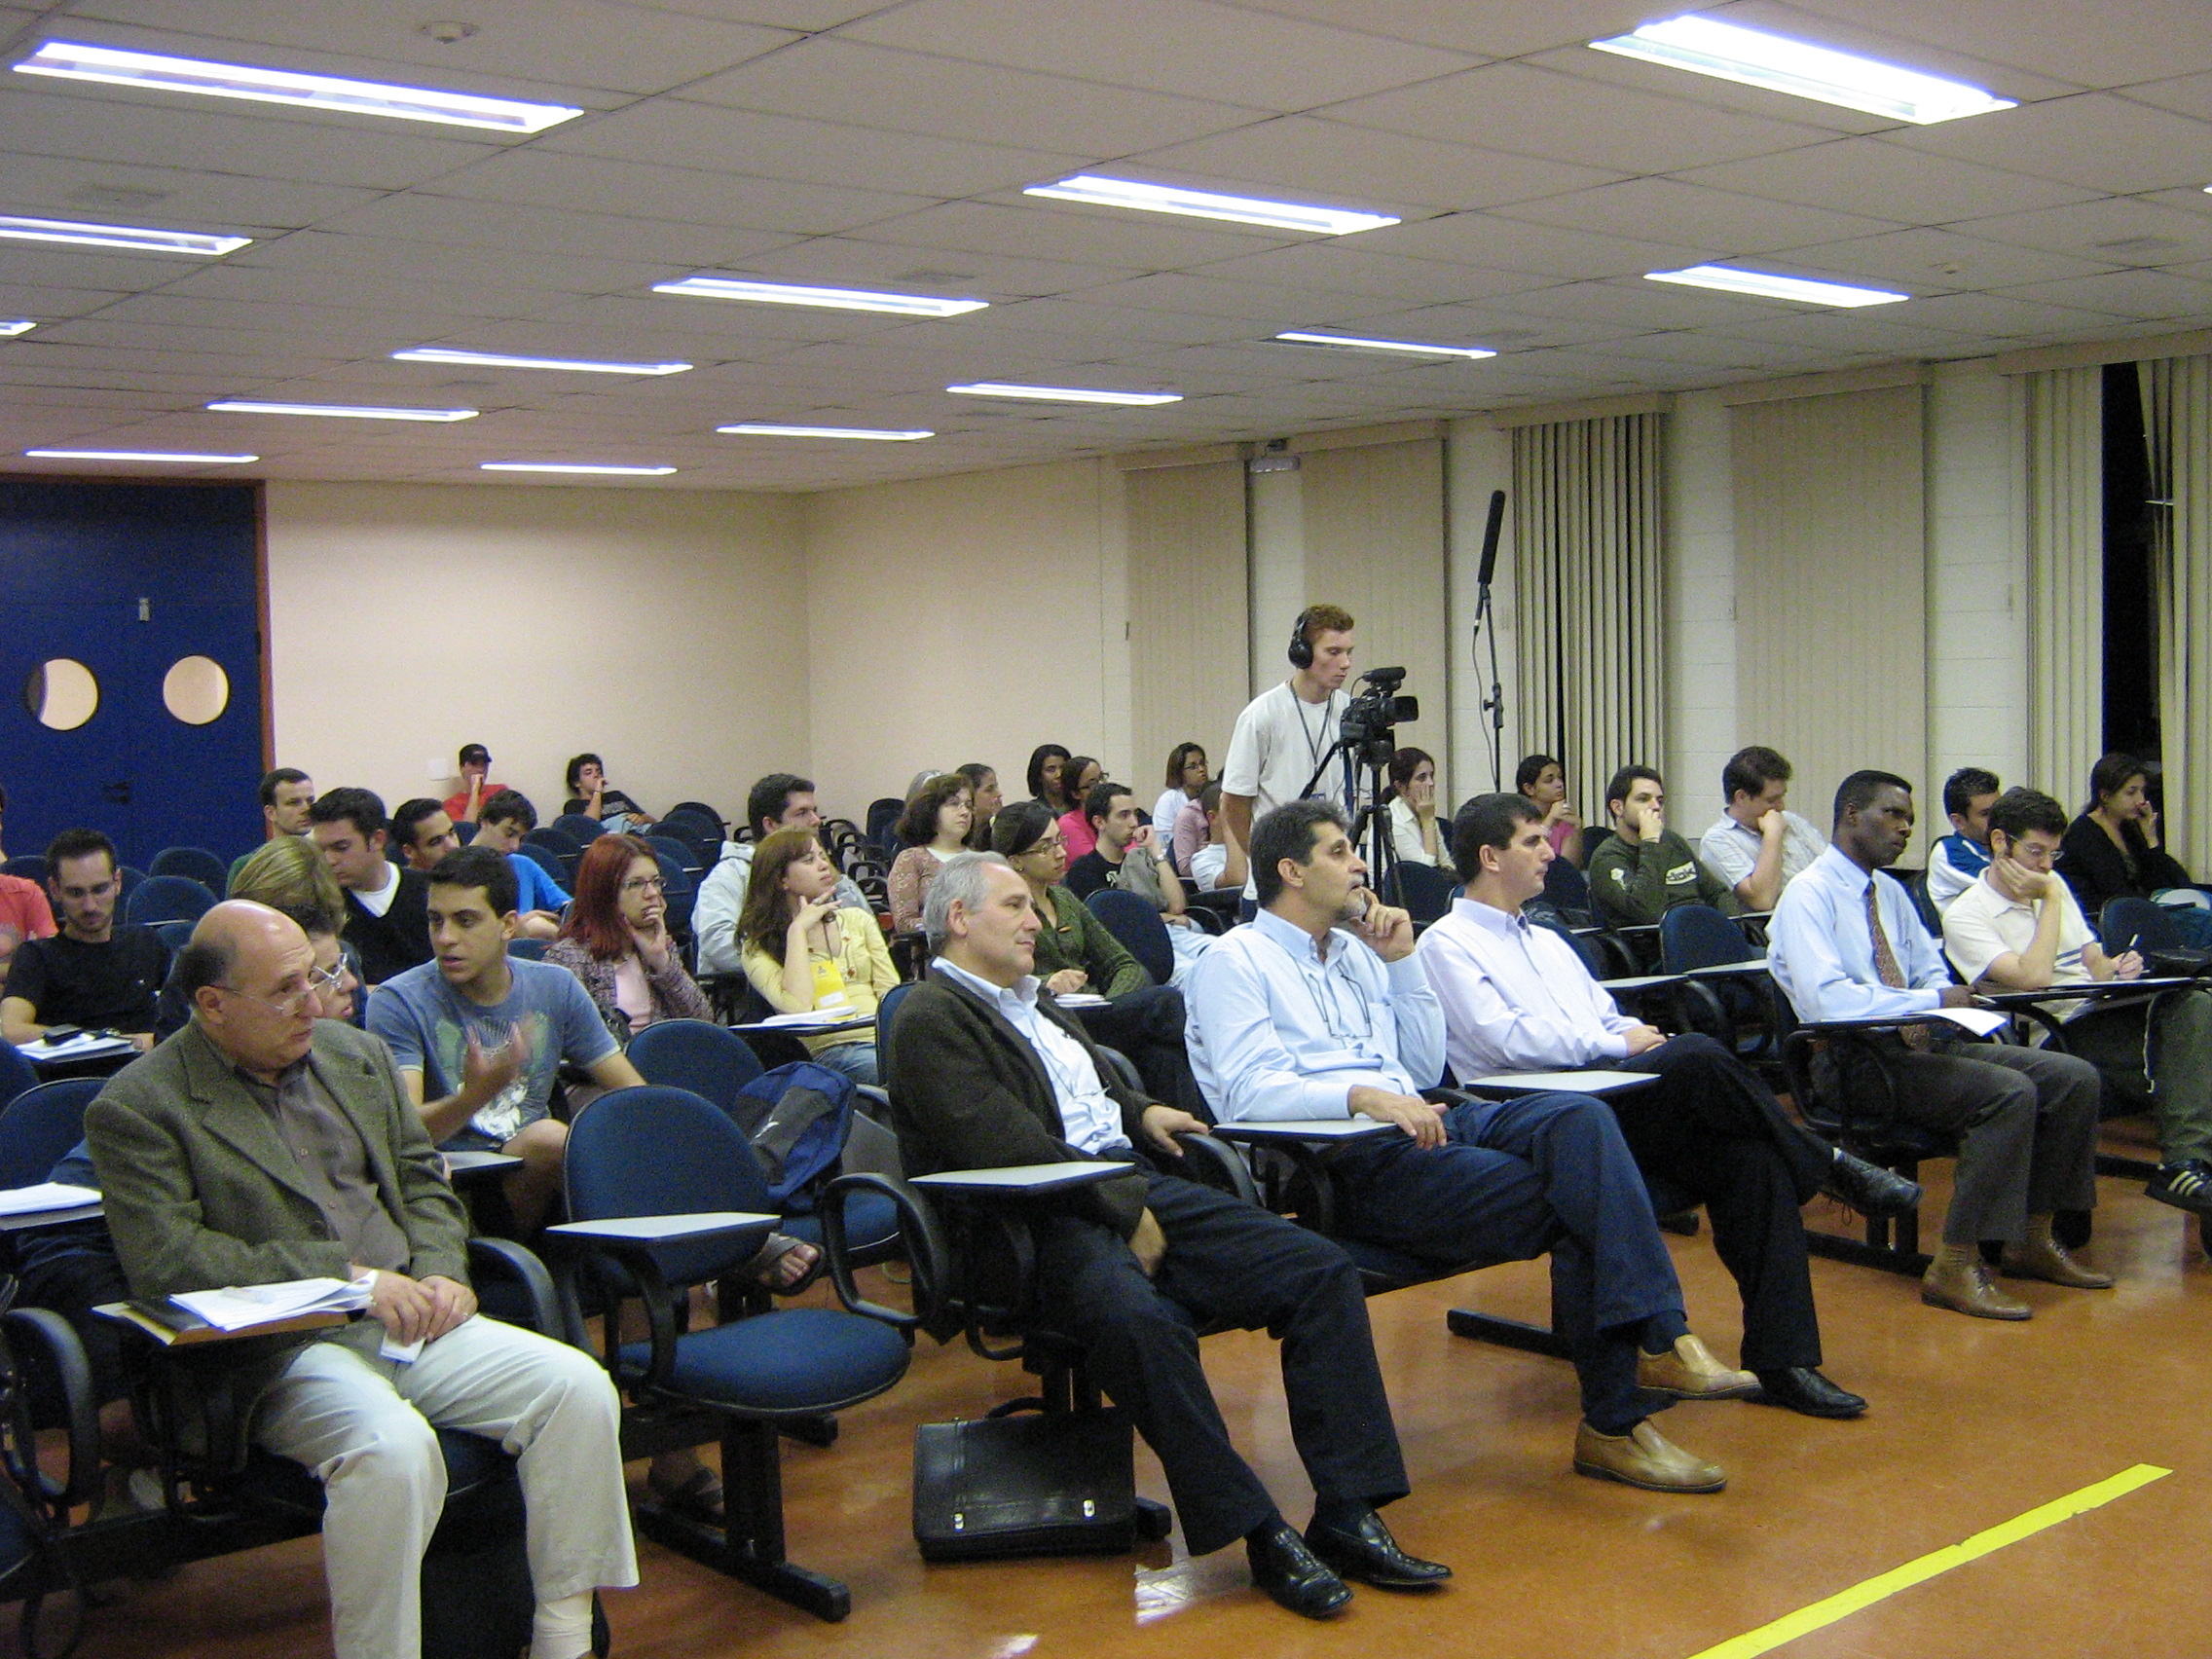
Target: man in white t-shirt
[1284,731]
[1757,845]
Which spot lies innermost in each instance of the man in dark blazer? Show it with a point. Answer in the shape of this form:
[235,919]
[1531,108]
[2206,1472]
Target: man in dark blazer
[262,1144]
[988,1071]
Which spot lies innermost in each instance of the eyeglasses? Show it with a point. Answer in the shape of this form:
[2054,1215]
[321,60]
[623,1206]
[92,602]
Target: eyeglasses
[1044,849]
[645,884]
[321,983]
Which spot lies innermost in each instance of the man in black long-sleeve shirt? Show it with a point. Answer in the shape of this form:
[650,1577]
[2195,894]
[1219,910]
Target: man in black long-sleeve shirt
[387,913]
[1644,869]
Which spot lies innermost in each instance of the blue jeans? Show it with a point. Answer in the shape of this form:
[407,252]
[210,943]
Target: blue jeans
[856,1060]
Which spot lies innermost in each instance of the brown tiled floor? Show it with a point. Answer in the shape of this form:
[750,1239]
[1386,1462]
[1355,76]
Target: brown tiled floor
[1972,1423]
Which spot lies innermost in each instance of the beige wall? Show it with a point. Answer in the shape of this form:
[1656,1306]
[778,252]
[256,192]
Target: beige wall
[966,618]
[667,632]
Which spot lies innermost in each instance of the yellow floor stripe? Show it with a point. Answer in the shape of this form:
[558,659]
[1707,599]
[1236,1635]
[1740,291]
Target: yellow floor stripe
[1841,1606]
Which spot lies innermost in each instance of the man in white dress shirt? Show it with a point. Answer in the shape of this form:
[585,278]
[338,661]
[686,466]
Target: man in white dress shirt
[1317,1009]
[1516,997]
[1846,946]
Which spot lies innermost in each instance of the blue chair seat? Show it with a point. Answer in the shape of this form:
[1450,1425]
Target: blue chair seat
[803,1360]
[871,1221]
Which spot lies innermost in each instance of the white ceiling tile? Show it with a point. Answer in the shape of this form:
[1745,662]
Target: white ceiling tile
[849,260]
[1501,243]
[1723,224]
[2001,316]
[539,177]
[553,43]
[2184,95]
[1608,71]
[1343,267]
[173,198]
[1539,112]
[449,299]
[1097,236]
[1923,260]
[2109,231]
[1185,46]
[2094,140]
[390,259]
[522,232]
[1493,31]
[1884,179]
[2140,294]
[2082,44]
[904,92]
[674,132]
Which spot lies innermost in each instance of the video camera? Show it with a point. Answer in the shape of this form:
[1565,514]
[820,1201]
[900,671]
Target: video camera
[1374,714]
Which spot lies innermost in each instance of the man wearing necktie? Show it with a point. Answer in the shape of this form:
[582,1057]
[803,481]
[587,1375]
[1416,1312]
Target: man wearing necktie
[1844,945]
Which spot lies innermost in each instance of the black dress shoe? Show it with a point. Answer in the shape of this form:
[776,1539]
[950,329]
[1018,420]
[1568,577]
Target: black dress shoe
[1290,1572]
[1801,1389]
[1361,1547]
[1869,1189]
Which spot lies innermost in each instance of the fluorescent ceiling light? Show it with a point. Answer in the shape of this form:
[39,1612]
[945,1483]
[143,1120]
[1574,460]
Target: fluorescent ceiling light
[119,235]
[1767,286]
[142,455]
[770,430]
[494,360]
[73,62]
[345,411]
[1064,393]
[1755,58]
[827,299]
[574,467]
[1205,204]
[1411,348]
[22,325]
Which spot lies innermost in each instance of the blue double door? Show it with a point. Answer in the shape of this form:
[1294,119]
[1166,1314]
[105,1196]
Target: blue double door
[141,603]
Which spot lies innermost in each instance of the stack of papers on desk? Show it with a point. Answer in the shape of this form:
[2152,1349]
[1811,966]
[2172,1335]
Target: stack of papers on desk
[46,1196]
[239,1306]
[85,1045]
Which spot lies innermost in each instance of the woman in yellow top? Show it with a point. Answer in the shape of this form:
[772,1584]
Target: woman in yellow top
[805,955]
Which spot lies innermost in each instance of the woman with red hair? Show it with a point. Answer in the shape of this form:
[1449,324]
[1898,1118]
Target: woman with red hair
[615,939]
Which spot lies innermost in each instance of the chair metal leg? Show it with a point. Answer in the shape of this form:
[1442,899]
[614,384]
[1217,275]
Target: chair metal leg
[1515,1334]
[749,1543]
[812,1431]
[1154,1520]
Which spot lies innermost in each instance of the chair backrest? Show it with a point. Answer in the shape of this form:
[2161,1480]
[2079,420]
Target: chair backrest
[40,1125]
[528,950]
[887,1006]
[1133,921]
[553,840]
[710,1060]
[681,891]
[1593,958]
[1568,891]
[581,827]
[31,866]
[547,859]
[127,875]
[1697,936]
[17,1073]
[463,831]
[1915,884]
[167,898]
[175,934]
[699,810]
[2139,924]
[1594,836]
[882,818]
[202,866]
[684,853]
[660,1150]
[1425,891]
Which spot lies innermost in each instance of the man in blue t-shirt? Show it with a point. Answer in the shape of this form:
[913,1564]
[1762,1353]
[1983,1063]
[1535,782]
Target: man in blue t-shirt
[480,1036]
[1961,857]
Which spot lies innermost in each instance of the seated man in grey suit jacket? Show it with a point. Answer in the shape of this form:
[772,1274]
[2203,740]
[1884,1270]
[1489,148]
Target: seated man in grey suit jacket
[261,1144]
[988,1071]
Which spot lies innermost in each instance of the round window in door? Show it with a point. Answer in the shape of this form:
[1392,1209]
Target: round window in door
[196,691]
[62,694]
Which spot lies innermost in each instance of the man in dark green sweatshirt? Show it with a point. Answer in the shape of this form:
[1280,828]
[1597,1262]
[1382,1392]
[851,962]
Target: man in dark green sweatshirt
[1644,869]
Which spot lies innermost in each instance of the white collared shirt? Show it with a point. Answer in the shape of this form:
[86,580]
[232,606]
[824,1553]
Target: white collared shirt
[1982,924]
[1088,1115]
[1732,852]
[1516,997]
[1820,950]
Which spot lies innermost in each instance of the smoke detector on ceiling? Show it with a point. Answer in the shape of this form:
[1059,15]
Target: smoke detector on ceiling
[446,32]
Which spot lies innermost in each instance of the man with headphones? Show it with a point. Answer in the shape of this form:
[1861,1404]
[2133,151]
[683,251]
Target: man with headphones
[1284,731]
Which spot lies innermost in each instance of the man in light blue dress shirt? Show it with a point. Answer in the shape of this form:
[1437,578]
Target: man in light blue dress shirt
[1317,1009]
[1846,946]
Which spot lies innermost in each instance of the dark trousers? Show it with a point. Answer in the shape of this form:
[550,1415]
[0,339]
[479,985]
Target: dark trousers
[1147,1026]
[1710,1131]
[1517,1178]
[2026,1121]
[2156,1058]
[1226,1262]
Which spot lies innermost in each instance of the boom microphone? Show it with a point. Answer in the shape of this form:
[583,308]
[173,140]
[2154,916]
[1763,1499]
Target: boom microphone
[1489,538]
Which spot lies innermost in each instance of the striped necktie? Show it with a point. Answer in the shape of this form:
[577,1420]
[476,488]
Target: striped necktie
[1886,966]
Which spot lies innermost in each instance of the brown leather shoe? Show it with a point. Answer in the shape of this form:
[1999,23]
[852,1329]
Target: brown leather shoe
[1644,1458]
[2047,1259]
[1688,1371]
[1957,1279]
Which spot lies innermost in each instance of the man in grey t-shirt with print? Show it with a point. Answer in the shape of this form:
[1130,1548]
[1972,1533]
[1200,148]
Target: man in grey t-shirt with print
[480,1036]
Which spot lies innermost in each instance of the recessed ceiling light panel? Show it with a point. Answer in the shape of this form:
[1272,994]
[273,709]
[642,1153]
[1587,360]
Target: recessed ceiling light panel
[134,239]
[21,325]
[605,468]
[1409,347]
[1772,285]
[339,411]
[1065,393]
[72,61]
[1752,57]
[172,456]
[1146,198]
[758,292]
[771,429]
[495,361]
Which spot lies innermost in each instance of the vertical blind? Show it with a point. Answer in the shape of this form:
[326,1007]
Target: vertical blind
[1589,534]
[1188,645]
[1832,599]
[2066,577]
[2176,410]
[1375,545]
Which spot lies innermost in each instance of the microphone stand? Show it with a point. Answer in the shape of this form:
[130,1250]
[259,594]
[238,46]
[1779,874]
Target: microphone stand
[1493,705]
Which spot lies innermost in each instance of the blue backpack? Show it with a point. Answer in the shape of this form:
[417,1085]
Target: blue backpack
[796,1118]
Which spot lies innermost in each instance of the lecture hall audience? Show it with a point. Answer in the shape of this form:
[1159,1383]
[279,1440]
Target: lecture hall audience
[388,920]
[1542,780]
[1413,835]
[1757,845]
[1187,777]
[97,973]
[287,794]
[616,941]
[781,801]
[1644,868]
[503,824]
[1964,854]
[25,912]
[984,799]
[1082,775]
[476,787]
[590,795]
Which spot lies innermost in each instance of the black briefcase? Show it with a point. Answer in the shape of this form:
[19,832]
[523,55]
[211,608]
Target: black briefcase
[1060,1483]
